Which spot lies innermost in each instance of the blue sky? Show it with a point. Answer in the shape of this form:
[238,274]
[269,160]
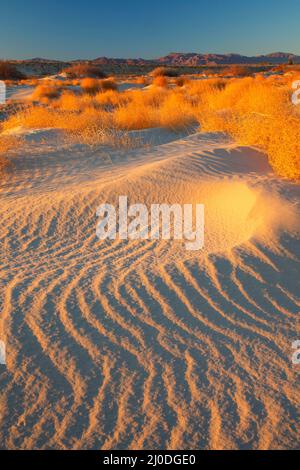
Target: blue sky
[139,28]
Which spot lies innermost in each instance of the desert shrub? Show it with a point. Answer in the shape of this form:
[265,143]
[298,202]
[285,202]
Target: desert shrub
[136,115]
[90,86]
[257,113]
[9,72]
[84,71]
[155,108]
[72,101]
[90,126]
[44,93]
[160,81]
[177,112]
[108,84]
[112,98]
[164,72]
[237,71]
[181,81]
[35,117]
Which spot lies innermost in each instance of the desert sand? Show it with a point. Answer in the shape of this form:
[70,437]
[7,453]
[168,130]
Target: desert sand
[141,344]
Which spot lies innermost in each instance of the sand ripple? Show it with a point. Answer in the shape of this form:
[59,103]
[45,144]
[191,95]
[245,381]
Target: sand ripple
[140,344]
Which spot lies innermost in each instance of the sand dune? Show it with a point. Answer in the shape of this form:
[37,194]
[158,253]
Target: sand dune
[142,344]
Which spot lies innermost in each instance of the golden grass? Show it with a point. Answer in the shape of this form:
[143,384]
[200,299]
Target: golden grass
[92,86]
[44,93]
[161,81]
[164,72]
[237,71]
[84,70]
[182,81]
[256,111]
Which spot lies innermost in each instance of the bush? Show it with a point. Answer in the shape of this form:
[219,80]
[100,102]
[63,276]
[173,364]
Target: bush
[237,71]
[84,71]
[91,86]
[44,93]
[9,72]
[108,84]
[160,81]
[164,72]
[181,81]
[256,113]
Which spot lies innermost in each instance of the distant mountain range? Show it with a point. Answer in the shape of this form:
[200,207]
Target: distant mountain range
[39,66]
[195,59]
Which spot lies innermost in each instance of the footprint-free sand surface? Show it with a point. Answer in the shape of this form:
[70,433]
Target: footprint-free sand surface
[141,344]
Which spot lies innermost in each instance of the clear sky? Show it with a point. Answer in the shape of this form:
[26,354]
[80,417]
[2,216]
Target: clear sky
[72,29]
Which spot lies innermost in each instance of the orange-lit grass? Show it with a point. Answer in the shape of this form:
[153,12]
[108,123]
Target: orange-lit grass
[257,113]
[44,93]
[92,85]
[160,81]
[254,110]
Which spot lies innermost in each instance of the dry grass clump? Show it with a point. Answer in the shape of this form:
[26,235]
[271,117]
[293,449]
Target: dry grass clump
[111,98]
[199,89]
[97,133]
[44,93]
[181,81]
[90,126]
[237,71]
[177,112]
[257,113]
[160,81]
[70,101]
[164,72]
[41,117]
[84,71]
[9,72]
[108,84]
[92,86]
[157,107]
[136,114]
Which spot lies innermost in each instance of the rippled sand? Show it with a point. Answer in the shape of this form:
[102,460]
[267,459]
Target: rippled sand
[142,344]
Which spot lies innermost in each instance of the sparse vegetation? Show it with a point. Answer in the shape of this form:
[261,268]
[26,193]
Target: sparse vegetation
[257,113]
[161,81]
[254,110]
[44,93]
[237,71]
[181,81]
[84,71]
[164,72]
[92,86]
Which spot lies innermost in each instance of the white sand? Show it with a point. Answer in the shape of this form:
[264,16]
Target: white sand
[141,344]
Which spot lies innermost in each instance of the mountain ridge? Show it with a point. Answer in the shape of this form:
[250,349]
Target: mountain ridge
[195,59]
